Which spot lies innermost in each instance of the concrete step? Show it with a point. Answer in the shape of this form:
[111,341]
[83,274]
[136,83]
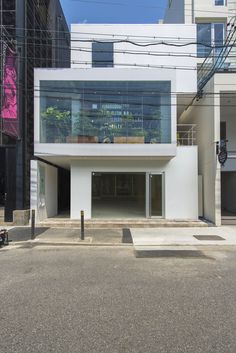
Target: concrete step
[228,220]
[121,223]
[5,224]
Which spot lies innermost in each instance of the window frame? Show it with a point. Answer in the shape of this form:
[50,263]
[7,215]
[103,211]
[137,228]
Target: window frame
[213,36]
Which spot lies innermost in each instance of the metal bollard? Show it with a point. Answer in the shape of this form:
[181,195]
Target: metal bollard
[82,225]
[33,224]
[6,242]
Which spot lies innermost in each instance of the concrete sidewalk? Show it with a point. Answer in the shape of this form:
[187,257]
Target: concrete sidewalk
[145,239]
[69,236]
[142,238]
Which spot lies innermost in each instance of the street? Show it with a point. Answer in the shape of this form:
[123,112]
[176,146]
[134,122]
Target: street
[106,300]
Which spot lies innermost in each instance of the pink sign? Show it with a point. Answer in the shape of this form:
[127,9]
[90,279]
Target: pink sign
[9,107]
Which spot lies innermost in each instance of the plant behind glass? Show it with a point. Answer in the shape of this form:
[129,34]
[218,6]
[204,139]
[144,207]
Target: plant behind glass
[58,123]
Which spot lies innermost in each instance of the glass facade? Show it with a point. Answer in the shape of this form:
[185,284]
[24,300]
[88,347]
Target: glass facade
[105,111]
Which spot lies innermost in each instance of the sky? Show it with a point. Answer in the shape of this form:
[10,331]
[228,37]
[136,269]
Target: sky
[113,11]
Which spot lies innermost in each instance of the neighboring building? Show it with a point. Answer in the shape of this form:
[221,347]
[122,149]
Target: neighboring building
[214,111]
[106,135]
[211,17]
[34,33]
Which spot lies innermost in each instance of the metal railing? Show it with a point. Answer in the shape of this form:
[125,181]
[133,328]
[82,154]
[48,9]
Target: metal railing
[186,134]
[220,59]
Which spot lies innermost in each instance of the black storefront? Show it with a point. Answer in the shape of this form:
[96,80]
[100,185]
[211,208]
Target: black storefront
[35,31]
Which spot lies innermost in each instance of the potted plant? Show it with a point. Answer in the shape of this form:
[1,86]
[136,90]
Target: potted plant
[84,129]
[57,124]
[108,128]
[154,132]
[130,133]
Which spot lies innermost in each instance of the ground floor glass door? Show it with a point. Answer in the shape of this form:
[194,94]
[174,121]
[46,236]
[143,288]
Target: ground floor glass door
[155,195]
[127,195]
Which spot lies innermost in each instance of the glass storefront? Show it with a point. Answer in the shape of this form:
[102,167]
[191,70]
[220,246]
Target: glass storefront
[118,195]
[127,195]
[105,111]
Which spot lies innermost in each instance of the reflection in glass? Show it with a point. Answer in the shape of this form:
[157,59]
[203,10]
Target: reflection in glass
[203,39]
[105,112]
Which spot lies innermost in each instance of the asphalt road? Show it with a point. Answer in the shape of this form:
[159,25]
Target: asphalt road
[105,300]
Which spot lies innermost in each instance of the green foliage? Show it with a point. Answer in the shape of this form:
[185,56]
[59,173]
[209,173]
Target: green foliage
[84,124]
[58,122]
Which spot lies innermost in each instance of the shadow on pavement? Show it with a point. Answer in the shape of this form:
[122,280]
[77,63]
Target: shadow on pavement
[24,233]
[171,253]
[126,236]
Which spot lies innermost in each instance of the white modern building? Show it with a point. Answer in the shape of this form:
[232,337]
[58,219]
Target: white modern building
[215,112]
[107,136]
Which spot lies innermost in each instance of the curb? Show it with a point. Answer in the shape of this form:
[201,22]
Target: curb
[45,243]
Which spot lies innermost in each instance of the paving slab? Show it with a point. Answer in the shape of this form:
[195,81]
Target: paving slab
[70,236]
[145,239]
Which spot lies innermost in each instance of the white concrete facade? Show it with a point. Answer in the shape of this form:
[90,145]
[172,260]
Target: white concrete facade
[208,113]
[44,193]
[125,52]
[180,182]
[216,105]
[178,165]
[193,11]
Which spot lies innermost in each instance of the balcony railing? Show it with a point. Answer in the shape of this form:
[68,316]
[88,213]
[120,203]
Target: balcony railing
[186,134]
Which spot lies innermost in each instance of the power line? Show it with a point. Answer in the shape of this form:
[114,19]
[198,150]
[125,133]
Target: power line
[146,6]
[106,34]
[141,44]
[89,90]
[131,103]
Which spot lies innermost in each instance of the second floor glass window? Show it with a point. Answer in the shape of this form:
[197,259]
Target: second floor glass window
[209,34]
[102,54]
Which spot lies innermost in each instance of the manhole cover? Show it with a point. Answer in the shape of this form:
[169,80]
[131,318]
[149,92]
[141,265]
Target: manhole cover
[208,237]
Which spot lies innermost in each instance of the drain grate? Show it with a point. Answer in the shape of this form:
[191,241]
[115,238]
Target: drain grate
[208,237]
[126,236]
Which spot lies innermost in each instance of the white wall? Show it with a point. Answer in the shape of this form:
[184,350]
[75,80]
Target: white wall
[181,182]
[44,190]
[206,115]
[141,34]
[191,11]
[207,9]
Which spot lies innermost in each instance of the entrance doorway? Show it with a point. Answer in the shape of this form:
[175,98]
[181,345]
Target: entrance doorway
[63,192]
[118,195]
[228,194]
[127,195]
[156,199]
